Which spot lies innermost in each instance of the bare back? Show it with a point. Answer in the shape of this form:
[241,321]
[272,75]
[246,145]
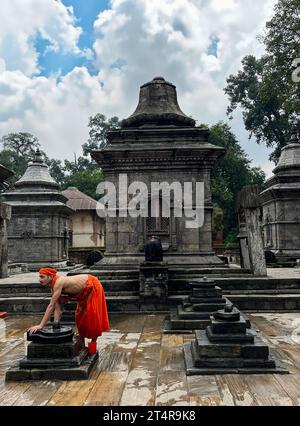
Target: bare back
[73,284]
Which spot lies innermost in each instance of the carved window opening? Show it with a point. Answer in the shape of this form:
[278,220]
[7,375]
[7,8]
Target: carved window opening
[158,225]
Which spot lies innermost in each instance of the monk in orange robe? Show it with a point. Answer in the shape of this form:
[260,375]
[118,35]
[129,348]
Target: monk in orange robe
[91,313]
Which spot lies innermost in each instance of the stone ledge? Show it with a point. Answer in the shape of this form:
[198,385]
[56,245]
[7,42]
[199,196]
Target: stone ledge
[15,373]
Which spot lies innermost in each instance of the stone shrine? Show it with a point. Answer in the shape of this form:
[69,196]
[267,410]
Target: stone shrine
[194,313]
[280,202]
[37,232]
[5,216]
[53,354]
[158,143]
[226,346]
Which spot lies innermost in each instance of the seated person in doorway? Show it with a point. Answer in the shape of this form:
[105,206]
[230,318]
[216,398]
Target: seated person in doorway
[91,313]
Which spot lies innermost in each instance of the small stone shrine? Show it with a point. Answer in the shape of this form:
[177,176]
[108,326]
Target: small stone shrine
[226,346]
[38,231]
[194,313]
[53,354]
[280,202]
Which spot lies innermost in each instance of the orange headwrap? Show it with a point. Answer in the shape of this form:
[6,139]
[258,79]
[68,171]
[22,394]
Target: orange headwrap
[48,271]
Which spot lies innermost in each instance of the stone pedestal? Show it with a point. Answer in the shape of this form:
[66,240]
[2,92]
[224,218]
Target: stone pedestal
[226,346]
[195,312]
[153,282]
[53,354]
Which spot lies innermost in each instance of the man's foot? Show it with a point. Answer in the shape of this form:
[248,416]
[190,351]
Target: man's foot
[92,347]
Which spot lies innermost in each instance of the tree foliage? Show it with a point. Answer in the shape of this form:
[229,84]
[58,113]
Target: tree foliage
[232,173]
[82,172]
[17,150]
[99,127]
[264,88]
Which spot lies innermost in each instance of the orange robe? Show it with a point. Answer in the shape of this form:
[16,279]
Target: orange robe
[91,312]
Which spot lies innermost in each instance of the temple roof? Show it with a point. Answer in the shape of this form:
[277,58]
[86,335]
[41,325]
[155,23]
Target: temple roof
[290,154]
[77,200]
[37,175]
[158,106]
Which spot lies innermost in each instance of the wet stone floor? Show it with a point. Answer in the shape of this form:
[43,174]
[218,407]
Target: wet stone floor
[139,365]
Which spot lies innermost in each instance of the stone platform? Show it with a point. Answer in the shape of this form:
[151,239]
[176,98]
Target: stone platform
[228,347]
[53,354]
[278,292]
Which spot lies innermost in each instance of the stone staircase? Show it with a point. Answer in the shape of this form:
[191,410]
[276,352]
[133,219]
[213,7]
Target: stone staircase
[122,291]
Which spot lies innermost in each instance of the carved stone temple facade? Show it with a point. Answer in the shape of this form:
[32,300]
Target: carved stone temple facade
[159,143]
[281,205]
[37,232]
[5,215]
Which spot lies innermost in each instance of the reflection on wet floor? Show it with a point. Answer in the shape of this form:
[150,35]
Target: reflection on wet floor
[139,365]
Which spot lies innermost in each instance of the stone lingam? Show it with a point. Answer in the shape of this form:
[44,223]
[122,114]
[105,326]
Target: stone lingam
[195,311]
[54,353]
[228,347]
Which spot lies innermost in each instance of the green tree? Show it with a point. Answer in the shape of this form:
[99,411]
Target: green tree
[99,127]
[85,180]
[232,173]
[264,88]
[17,150]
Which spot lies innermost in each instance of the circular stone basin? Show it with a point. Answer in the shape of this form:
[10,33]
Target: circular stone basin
[52,335]
[234,315]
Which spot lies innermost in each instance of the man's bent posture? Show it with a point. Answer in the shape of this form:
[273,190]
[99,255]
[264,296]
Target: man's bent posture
[91,312]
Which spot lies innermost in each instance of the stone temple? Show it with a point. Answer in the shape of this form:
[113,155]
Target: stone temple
[280,202]
[37,232]
[159,143]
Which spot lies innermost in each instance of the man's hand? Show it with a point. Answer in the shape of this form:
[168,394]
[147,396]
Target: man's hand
[34,328]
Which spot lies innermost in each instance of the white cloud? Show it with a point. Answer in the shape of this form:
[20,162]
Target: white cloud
[159,37]
[22,21]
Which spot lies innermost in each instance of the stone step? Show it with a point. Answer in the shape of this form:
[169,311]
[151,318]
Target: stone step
[266,302]
[238,285]
[115,303]
[190,355]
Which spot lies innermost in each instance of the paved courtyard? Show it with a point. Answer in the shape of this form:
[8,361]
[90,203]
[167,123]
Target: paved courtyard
[139,365]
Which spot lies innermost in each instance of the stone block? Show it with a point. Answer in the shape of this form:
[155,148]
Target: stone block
[257,351]
[207,292]
[232,338]
[207,307]
[228,327]
[59,350]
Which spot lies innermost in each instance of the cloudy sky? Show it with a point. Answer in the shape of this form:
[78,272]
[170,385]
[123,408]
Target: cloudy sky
[62,61]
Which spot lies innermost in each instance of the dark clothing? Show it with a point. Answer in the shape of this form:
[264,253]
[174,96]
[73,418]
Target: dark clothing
[153,251]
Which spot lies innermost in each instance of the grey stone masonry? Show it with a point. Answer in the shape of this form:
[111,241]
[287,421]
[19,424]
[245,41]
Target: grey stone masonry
[158,143]
[5,215]
[280,202]
[250,236]
[37,232]
[54,353]
[194,313]
[227,346]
